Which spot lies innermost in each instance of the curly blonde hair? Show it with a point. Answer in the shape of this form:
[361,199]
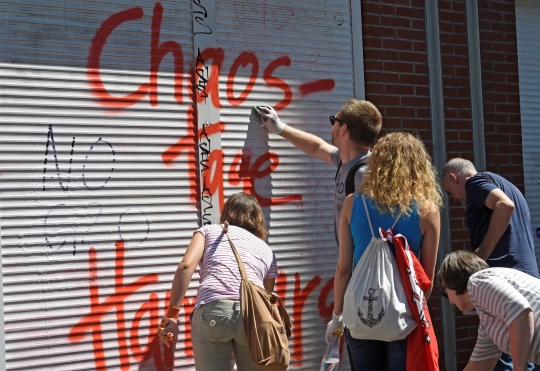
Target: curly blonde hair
[400,175]
[244,211]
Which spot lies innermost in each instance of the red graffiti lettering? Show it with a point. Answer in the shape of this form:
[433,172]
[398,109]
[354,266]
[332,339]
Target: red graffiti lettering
[242,60]
[157,53]
[136,349]
[281,285]
[317,86]
[278,83]
[93,73]
[91,322]
[242,170]
[300,297]
[325,310]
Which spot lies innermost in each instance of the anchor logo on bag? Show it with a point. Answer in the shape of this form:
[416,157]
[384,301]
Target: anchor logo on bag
[370,321]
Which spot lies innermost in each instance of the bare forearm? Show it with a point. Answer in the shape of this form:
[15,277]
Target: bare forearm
[521,333]
[498,224]
[340,286]
[180,284]
[310,144]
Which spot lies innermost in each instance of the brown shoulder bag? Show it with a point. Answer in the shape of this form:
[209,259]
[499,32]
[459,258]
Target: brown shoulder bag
[266,322]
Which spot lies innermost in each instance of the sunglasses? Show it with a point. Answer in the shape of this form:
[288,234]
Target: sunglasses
[444,294]
[333,120]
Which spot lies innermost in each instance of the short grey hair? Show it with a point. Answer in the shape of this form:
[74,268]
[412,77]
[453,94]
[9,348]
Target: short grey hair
[458,166]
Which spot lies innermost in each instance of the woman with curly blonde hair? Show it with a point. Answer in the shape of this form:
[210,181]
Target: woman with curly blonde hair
[399,184]
[217,327]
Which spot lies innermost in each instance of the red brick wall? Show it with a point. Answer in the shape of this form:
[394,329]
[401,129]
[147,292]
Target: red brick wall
[397,81]
[395,63]
[459,136]
[500,88]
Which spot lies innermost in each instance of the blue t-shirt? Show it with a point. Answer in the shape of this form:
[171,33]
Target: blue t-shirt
[515,249]
[409,226]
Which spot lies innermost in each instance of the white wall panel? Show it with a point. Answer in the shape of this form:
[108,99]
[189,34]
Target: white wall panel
[528,42]
[100,155]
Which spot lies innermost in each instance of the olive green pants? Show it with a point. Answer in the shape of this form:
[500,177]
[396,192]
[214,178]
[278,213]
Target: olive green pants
[217,329]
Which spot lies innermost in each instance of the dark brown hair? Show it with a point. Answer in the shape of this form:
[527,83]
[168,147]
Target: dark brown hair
[456,269]
[243,210]
[363,121]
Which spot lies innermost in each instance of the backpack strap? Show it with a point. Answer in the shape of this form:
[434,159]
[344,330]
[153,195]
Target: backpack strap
[399,216]
[349,183]
[369,218]
[337,171]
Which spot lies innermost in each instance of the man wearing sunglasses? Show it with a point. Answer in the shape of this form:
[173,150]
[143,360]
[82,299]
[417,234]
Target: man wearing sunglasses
[354,130]
[508,305]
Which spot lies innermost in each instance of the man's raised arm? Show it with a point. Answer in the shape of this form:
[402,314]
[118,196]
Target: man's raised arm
[308,143]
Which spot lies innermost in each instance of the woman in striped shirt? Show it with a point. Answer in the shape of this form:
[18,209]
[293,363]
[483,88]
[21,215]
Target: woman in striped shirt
[507,302]
[217,327]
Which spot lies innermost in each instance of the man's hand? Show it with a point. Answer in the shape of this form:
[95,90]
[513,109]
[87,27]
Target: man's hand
[165,329]
[335,326]
[270,119]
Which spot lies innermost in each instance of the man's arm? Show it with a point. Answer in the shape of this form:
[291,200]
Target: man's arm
[521,332]
[487,365]
[308,143]
[502,207]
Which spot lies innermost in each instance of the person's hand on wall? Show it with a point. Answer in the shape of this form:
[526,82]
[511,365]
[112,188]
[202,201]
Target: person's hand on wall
[270,119]
[167,325]
[335,326]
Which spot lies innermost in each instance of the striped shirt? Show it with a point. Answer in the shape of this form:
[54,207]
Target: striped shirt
[219,274]
[500,295]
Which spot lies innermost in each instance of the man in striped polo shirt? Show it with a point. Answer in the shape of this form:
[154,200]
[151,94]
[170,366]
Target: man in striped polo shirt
[507,302]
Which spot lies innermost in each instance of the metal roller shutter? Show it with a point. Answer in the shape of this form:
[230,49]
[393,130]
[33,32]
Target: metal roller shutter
[101,185]
[297,57]
[528,42]
[97,209]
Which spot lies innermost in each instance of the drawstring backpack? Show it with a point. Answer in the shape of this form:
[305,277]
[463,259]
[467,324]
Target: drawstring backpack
[422,349]
[375,305]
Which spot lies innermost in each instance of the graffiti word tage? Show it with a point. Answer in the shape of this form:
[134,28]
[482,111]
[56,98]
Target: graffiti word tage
[243,171]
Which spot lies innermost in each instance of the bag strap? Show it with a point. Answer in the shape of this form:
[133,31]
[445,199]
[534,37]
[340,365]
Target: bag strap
[281,307]
[399,216]
[225,227]
[369,218]
[349,182]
